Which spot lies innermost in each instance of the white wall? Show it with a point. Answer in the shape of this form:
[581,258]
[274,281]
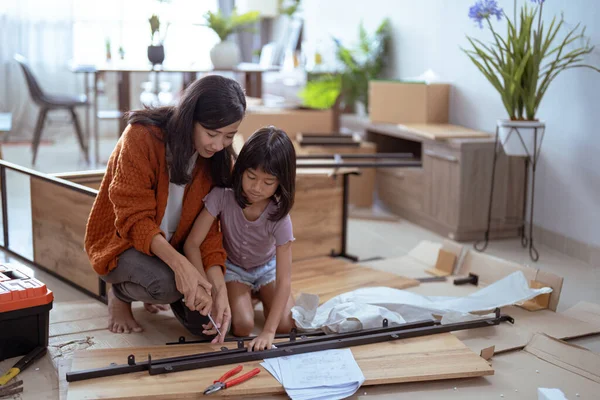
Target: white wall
[429,33]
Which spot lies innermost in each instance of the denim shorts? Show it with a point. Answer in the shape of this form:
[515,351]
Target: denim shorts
[255,278]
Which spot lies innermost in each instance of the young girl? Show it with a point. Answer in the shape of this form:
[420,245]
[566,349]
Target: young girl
[257,233]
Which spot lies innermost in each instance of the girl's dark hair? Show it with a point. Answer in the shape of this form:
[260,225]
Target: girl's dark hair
[214,102]
[271,150]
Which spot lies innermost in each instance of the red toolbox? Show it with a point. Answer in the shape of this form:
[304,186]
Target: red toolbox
[25,305]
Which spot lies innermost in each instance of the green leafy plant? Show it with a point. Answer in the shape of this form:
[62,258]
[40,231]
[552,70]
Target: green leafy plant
[226,25]
[322,92]
[522,65]
[288,7]
[155,37]
[363,63]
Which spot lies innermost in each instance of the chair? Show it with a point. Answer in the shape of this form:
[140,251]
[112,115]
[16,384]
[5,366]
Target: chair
[48,102]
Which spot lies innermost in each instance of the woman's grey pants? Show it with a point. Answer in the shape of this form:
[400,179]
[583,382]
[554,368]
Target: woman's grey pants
[140,277]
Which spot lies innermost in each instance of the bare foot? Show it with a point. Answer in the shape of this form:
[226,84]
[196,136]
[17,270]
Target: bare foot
[255,301]
[154,308]
[120,318]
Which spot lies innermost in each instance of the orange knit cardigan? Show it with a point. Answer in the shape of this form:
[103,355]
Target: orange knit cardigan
[132,200]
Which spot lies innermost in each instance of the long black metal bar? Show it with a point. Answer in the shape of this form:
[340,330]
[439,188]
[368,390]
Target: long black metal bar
[309,346]
[49,178]
[182,339]
[4,205]
[305,345]
[138,366]
[374,156]
[345,199]
[143,365]
[359,164]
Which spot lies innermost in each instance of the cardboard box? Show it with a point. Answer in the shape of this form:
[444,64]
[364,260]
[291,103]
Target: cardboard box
[290,120]
[399,102]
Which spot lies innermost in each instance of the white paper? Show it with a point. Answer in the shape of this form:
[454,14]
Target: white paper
[329,374]
[367,307]
[550,394]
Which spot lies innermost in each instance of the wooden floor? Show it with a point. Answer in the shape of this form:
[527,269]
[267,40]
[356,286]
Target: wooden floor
[78,326]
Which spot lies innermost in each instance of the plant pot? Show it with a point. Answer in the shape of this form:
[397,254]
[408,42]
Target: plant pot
[156,54]
[225,55]
[511,132]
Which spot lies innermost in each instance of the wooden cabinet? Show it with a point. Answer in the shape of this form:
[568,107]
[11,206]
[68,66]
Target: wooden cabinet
[449,193]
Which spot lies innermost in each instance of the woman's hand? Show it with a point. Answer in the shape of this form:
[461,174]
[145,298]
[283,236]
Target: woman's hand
[221,314]
[263,341]
[194,287]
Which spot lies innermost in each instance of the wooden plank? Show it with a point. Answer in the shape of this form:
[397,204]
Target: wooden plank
[317,215]
[342,277]
[420,359]
[59,216]
[443,131]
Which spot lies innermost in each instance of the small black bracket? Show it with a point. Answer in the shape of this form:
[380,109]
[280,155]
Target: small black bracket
[471,279]
[181,340]
[240,344]
[385,323]
[131,359]
[293,333]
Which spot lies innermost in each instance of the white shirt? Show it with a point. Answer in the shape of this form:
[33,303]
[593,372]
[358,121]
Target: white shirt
[175,203]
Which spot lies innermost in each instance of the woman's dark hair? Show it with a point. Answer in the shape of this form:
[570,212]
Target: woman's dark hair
[271,150]
[214,102]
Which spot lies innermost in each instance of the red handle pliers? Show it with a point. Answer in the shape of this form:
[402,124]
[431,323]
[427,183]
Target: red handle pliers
[222,384]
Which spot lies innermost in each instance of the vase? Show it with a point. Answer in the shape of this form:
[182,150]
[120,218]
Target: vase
[156,54]
[225,55]
[518,138]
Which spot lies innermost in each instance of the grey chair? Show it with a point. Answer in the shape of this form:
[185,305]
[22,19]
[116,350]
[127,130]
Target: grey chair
[50,102]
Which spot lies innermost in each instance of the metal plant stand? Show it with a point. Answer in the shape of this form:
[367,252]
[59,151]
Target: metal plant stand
[530,159]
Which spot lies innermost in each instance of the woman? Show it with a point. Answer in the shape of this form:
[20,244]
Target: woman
[165,163]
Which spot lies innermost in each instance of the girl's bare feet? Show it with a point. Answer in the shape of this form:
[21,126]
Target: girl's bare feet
[120,318]
[154,308]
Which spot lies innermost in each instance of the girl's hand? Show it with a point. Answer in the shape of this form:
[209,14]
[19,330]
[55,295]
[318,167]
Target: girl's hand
[189,282]
[264,341]
[221,314]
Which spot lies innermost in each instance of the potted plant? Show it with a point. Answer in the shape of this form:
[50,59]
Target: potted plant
[363,64]
[156,50]
[226,53]
[522,64]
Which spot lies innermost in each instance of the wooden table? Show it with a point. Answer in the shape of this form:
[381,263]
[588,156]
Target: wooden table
[252,77]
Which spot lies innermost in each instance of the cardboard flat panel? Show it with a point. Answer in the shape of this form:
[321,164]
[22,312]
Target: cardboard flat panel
[420,359]
[291,121]
[517,376]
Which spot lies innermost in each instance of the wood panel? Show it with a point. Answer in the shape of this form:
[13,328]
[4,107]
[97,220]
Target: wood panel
[476,178]
[59,216]
[442,185]
[342,277]
[444,131]
[401,188]
[317,215]
[420,359]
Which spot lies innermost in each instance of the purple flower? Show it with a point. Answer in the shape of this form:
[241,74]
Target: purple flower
[484,9]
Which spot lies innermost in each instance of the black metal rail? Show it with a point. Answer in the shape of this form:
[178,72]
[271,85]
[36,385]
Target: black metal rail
[306,345]
[372,156]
